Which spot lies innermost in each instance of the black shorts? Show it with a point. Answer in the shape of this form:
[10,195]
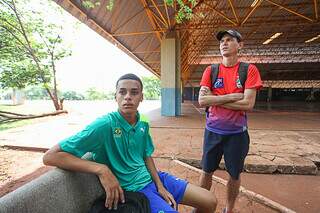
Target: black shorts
[234,147]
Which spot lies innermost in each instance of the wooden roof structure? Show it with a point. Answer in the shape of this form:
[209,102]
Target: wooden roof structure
[138,26]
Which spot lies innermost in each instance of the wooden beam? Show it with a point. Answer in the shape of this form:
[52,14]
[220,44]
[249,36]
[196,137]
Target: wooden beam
[158,10]
[148,51]
[135,38]
[167,13]
[148,48]
[221,14]
[137,33]
[233,10]
[157,17]
[261,22]
[151,21]
[153,62]
[128,20]
[316,9]
[289,10]
[139,43]
[114,15]
[250,12]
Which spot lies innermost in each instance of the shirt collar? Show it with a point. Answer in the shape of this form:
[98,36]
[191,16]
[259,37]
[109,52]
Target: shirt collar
[124,123]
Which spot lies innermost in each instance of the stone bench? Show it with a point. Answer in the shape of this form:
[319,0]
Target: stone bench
[54,192]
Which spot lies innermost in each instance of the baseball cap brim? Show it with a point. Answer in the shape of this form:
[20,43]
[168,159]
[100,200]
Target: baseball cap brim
[232,33]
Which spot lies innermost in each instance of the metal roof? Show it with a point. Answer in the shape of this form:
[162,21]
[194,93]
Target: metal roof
[138,26]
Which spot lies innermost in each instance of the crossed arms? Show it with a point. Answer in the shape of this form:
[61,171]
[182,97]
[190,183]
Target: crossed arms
[234,101]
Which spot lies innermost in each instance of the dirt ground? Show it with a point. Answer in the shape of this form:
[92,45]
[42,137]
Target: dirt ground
[18,167]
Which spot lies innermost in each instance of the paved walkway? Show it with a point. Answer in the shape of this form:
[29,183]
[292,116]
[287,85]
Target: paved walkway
[281,142]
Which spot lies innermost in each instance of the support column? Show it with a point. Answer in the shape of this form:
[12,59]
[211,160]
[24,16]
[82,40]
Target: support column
[269,98]
[170,76]
[311,97]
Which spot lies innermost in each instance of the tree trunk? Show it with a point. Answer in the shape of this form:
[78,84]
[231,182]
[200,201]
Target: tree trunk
[9,116]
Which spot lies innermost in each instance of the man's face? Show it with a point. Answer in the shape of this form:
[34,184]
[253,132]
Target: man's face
[229,46]
[128,96]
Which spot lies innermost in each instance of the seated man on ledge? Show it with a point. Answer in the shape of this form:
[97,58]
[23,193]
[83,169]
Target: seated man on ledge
[122,157]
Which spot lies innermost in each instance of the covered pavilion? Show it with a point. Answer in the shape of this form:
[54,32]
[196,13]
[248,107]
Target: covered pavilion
[282,37]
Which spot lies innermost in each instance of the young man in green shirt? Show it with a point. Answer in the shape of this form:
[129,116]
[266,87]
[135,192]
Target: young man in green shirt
[122,157]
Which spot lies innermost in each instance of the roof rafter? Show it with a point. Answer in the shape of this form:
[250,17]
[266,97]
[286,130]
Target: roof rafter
[289,10]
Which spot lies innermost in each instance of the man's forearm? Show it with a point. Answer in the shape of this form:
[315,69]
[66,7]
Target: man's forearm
[153,171]
[243,105]
[214,100]
[67,161]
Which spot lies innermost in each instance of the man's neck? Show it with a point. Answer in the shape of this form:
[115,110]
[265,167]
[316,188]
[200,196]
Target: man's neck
[230,61]
[130,118]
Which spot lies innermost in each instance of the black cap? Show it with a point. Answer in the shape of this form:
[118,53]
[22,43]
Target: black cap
[232,33]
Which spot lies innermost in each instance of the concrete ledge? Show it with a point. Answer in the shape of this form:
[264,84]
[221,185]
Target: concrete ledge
[250,194]
[56,191]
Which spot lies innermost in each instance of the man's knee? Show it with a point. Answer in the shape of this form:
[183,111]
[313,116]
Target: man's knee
[206,175]
[212,202]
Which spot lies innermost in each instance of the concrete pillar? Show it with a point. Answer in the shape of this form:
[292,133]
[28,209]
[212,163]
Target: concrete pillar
[193,99]
[311,97]
[170,76]
[269,98]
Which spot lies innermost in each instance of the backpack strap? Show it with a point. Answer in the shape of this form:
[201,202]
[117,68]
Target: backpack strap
[214,74]
[213,77]
[243,73]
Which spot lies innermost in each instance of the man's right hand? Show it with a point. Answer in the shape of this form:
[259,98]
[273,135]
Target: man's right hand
[114,192]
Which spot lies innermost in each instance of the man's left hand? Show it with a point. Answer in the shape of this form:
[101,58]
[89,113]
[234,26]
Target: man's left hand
[167,196]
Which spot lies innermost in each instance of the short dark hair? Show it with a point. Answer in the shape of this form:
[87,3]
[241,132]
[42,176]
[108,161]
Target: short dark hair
[130,76]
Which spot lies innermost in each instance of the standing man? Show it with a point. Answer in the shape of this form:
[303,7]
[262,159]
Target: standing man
[226,122]
[122,157]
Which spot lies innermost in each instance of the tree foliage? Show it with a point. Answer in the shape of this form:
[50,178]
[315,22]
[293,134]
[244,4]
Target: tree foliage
[30,48]
[72,95]
[151,88]
[36,93]
[184,12]
[93,94]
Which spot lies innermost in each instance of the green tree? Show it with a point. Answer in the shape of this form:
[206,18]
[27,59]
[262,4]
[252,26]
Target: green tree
[30,48]
[72,95]
[93,94]
[151,88]
[110,95]
[36,93]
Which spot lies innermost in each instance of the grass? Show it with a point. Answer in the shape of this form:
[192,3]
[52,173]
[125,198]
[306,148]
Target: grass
[14,124]
[22,109]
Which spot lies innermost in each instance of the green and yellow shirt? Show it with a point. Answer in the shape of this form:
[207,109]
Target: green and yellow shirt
[114,142]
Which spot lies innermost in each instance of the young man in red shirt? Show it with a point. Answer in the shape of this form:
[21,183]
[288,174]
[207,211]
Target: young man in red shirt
[226,123]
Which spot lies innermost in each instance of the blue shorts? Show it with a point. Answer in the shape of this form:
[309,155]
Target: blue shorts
[174,185]
[233,147]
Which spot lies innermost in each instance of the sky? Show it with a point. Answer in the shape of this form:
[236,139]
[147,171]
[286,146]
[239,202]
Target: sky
[95,62]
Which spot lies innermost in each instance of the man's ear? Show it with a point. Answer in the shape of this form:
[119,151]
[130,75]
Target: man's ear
[241,45]
[141,98]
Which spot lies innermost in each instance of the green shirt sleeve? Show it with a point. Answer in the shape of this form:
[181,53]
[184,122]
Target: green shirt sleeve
[87,140]
[149,148]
